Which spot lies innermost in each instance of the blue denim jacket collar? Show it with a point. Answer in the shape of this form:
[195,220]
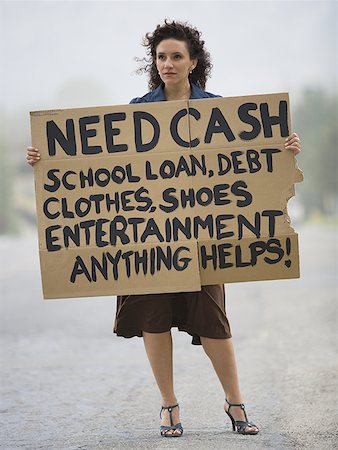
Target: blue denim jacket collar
[157,95]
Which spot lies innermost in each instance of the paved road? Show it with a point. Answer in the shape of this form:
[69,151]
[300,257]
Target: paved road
[68,383]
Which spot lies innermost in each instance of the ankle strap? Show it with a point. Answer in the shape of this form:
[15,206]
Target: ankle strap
[235,404]
[241,405]
[169,408]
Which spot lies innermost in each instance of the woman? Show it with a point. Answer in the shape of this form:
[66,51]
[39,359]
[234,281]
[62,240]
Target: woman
[178,67]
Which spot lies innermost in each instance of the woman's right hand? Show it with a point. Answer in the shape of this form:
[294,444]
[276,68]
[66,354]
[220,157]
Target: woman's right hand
[33,155]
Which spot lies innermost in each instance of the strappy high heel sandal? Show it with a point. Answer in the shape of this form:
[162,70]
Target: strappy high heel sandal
[240,425]
[164,429]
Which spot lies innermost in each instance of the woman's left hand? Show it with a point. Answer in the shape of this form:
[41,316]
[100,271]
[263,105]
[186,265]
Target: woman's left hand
[293,143]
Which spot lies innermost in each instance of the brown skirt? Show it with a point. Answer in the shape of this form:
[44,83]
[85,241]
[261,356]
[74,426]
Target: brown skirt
[199,313]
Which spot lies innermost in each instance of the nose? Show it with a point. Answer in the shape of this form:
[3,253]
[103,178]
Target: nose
[168,63]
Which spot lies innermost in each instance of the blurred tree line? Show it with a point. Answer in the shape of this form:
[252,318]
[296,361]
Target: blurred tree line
[314,119]
[8,222]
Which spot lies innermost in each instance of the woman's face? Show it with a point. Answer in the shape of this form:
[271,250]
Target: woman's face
[173,61]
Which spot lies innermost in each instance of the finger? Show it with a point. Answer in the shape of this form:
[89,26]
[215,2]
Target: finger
[295,139]
[32,149]
[33,158]
[32,161]
[292,140]
[33,154]
[291,137]
[293,146]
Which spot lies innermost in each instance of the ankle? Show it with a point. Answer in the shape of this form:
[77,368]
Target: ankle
[234,399]
[169,401]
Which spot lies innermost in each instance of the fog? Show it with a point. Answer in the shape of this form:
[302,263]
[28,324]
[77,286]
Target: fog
[68,54]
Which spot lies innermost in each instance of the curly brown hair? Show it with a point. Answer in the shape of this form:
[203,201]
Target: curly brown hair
[182,31]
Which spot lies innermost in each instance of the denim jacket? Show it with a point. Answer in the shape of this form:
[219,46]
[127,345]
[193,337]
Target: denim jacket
[157,95]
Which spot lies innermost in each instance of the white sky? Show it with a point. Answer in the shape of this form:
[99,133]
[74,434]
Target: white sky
[66,54]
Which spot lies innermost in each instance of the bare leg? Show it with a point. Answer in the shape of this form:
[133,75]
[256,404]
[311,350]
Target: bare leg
[222,355]
[159,351]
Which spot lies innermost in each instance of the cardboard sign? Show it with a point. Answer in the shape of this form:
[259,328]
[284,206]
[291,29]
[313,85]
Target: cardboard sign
[164,197]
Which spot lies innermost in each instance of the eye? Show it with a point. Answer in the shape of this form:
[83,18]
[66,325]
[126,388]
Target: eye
[177,56]
[161,57]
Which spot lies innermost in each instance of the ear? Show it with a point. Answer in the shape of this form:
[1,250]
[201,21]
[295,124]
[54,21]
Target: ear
[194,63]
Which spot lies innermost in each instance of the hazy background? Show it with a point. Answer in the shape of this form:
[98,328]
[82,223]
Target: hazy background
[79,53]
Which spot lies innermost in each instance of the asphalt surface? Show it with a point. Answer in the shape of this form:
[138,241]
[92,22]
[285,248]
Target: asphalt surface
[68,383]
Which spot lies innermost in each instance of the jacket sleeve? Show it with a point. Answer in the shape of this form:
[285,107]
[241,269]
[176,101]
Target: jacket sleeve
[210,95]
[136,100]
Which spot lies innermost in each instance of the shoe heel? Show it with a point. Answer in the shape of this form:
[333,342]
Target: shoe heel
[232,421]
[240,425]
